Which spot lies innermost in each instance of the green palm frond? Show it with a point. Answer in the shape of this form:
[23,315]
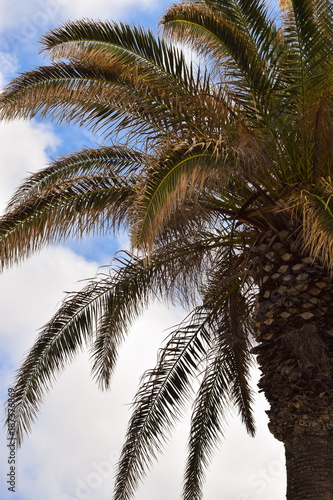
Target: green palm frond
[84,206]
[231,45]
[116,162]
[160,401]
[257,22]
[129,46]
[181,174]
[139,57]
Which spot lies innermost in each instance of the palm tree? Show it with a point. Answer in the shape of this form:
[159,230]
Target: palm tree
[222,177]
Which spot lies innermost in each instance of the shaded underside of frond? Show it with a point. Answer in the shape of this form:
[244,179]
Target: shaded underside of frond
[102,99]
[86,206]
[130,46]
[117,163]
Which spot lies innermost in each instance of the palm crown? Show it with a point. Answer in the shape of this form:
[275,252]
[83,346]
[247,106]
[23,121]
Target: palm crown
[204,166]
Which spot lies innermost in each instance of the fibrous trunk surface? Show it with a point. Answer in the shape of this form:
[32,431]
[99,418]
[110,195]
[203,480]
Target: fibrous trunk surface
[310,468]
[294,321]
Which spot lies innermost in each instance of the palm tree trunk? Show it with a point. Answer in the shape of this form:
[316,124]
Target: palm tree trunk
[309,464]
[294,321]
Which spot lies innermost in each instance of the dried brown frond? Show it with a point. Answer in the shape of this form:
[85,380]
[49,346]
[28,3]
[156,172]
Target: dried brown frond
[316,211]
[284,5]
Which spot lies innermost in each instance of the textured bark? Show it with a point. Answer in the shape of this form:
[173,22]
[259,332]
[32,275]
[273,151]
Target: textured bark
[310,468]
[294,324]
[294,321]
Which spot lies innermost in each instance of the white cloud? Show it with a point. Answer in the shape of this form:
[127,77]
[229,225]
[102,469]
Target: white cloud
[24,148]
[9,65]
[105,9]
[32,16]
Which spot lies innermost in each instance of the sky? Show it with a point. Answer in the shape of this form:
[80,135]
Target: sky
[74,446]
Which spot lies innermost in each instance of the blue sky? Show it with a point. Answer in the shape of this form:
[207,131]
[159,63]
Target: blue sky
[74,446]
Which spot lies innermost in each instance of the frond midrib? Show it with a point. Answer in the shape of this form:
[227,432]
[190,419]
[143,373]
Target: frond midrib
[170,172]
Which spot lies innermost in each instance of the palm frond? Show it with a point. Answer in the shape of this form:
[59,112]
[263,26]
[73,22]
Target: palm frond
[181,174]
[131,46]
[234,46]
[252,17]
[133,285]
[115,162]
[306,65]
[222,387]
[137,281]
[81,207]
[229,292]
[237,330]
[57,344]
[83,95]
[159,402]
[226,380]
[103,99]
[210,410]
